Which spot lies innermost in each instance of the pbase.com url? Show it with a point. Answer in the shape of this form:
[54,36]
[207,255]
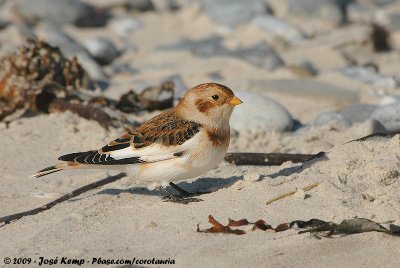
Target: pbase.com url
[132,261]
[43,261]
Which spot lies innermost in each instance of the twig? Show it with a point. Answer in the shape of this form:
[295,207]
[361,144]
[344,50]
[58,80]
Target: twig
[307,188]
[88,187]
[265,159]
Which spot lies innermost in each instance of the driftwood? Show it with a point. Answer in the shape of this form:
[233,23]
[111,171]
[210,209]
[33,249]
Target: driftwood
[88,187]
[264,159]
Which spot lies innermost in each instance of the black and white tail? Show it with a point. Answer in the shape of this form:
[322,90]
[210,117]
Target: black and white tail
[89,159]
[50,170]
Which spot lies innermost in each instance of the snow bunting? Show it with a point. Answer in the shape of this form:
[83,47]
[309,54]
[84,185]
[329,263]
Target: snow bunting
[178,144]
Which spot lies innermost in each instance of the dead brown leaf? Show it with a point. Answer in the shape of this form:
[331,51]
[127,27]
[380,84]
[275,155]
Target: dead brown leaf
[219,228]
[242,222]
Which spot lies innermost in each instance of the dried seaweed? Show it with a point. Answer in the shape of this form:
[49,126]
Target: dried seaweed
[346,227]
[24,73]
[37,77]
[152,98]
[89,111]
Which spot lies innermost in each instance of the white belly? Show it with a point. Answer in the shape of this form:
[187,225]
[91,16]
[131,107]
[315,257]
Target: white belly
[195,162]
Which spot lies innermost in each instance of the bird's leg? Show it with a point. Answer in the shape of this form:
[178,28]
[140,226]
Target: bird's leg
[182,198]
[180,190]
[185,193]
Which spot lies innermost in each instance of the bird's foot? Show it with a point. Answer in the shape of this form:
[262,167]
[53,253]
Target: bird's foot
[180,199]
[183,197]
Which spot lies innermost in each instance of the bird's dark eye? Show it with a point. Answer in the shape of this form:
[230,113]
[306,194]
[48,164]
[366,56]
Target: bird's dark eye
[215,97]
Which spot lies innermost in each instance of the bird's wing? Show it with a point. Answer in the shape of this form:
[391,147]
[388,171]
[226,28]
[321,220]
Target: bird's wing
[163,137]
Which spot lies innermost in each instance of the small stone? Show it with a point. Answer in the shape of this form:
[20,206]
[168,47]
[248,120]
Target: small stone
[388,115]
[101,49]
[126,25]
[372,126]
[389,99]
[233,12]
[61,12]
[300,194]
[252,177]
[368,197]
[304,69]
[260,55]
[279,28]
[328,10]
[260,112]
[206,47]
[368,76]
[333,119]
[358,112]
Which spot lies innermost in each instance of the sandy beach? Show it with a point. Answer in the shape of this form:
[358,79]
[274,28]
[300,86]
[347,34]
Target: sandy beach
[309,87]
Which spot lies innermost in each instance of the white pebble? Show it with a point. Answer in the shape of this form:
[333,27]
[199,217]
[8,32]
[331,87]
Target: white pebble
[300,194]
[251,177]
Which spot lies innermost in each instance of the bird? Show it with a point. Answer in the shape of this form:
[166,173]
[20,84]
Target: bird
[178,144]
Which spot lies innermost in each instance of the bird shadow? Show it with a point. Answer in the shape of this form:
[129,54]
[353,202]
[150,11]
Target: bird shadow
[202,185]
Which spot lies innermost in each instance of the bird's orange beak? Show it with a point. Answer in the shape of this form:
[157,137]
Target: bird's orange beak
[234,101]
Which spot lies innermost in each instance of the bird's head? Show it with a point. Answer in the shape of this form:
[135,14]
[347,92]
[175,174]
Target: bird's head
[209,103]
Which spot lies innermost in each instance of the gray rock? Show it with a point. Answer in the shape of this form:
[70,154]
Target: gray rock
[394,21]
[101,49]
[258,112]
[329,10]
[126,25]
[279,28]
[3,23]
[358,112]
[389,99]
[233,12]
[303,69]
[61,12]
[333,119]
[121,67]
[140,5]
[378,3]
[389,116]
[372,126]
[368,76]
[70,48]
[306,88]
[260,55]
[206,47]
[169,5]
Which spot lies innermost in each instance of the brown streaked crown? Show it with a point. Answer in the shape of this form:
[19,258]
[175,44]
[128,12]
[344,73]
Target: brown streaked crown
[206,91]
[214,86]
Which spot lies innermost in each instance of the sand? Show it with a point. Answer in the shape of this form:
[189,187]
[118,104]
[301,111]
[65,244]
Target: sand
[125,220]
